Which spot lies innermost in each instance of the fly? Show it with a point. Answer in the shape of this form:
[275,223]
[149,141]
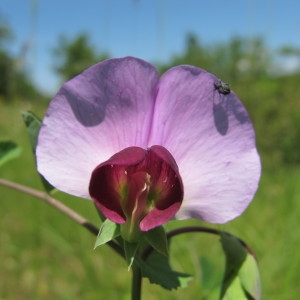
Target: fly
[222,87]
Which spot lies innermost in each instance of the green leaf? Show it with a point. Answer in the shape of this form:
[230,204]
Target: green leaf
[33,125]
[250,277]
[157,239]
[235,255]
[235,291]
[158,270]
[241,279]
[8,151]
[131,250]
[108,231]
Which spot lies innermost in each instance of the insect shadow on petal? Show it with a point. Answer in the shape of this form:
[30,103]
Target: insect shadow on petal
[220,108]
[221,118]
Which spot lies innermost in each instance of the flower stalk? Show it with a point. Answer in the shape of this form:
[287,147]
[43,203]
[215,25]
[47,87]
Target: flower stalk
[62,208]
[136,283]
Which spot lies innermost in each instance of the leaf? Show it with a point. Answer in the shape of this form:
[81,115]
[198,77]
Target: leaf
[157,239]
[33,125]
[130,252]
[241,279]
[8,151]
[108,231]
[158,270]
[235,291]
[250,277]
[235,255]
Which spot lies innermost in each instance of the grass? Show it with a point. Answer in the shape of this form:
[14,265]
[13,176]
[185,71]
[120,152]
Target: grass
[44,255]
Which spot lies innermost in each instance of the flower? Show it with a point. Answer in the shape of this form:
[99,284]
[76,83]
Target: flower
[139,188]
[110,132]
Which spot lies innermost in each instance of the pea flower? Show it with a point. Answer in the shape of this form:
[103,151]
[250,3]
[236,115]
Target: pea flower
[147,148]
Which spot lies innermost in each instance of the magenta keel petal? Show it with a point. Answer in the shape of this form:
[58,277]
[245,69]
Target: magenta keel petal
[138,186]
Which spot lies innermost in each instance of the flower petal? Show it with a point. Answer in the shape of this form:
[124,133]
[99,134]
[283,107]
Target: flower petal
[137,184]
[109,180]
[93,116]
[211,137]
[167,185]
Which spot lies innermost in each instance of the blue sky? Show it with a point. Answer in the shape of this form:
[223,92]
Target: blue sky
[150,29]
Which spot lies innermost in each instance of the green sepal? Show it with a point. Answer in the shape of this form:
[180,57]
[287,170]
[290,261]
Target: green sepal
[250,277]
[157,238]
[158,270]
[33,125]
[108,231]
[234,291]
[235,255]
[8,151]
[241,279]
[131,250]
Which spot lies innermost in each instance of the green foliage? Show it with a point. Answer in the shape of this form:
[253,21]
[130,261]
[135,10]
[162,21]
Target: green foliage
[155,266]
[235,257]
[236,60]
[6,70]
[250,277]
[14,80]
[8,151]
[5,33]
[131,251]
[273,105]
[74,55]
[290,50]
[158,270]
[241,279]
[108,231]
[33,124]
[157,239]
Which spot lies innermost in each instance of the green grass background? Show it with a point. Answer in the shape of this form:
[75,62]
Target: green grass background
[45,255]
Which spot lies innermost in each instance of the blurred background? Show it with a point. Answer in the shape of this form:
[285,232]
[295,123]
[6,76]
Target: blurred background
[252,45]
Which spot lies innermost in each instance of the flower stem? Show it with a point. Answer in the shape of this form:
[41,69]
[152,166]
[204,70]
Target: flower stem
[62,208]
[190,229]
[207,230]
[136,283]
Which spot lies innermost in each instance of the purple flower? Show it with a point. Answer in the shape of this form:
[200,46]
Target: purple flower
[133,142]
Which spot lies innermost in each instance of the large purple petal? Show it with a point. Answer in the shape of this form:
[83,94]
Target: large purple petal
[212,140]
[93,116]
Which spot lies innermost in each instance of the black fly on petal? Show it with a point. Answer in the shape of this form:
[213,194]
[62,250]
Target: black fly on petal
[222,87]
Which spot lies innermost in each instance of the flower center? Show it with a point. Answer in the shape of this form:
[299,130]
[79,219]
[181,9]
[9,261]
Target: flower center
[139,187]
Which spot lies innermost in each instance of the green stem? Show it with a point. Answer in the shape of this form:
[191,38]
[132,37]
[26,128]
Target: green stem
[136,283]
[207,230]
